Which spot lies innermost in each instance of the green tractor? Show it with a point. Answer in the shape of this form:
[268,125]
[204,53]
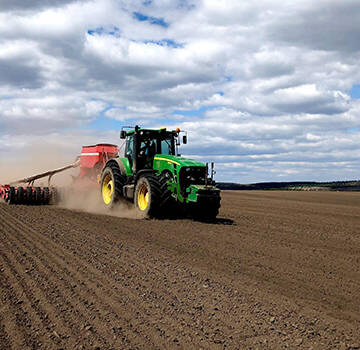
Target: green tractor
[157,179]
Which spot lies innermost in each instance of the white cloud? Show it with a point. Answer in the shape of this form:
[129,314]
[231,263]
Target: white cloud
[272,78]
[24,5]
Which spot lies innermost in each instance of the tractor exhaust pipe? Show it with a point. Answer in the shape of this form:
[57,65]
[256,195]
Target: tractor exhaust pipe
[213,172]
[206,174]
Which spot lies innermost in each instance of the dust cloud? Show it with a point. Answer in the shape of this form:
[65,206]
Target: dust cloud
[74,196]
[38,159]
[89,200]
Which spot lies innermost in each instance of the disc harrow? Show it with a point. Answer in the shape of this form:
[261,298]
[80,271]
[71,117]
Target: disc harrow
[28,195]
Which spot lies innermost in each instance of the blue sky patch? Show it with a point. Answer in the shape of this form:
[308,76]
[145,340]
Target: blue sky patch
[103,123]
[355,91]
[193,112]
[165,42]
[99,30]
[115,31]
[152,20]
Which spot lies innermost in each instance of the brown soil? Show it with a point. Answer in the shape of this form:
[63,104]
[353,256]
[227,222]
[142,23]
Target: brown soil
[277,270]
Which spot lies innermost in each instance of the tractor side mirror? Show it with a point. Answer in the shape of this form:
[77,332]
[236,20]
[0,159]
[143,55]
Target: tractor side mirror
[123,134]
[184,139]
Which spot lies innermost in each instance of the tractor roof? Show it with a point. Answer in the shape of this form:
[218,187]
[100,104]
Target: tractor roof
[151,131]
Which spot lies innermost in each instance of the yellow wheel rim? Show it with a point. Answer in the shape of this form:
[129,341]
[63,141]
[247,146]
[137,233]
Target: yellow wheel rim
[107,189]
[143,197]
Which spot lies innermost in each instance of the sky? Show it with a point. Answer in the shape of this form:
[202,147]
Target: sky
[269,90]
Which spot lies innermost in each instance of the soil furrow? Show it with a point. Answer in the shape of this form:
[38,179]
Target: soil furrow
[18,320]
[277,270]
[47,292]
[98,286]
[43,315]
[5,342]
[178,311]
[86,295]
[149,268]
[205,332]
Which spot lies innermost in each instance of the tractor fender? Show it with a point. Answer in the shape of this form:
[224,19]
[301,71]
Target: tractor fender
[119,163]
[144,172]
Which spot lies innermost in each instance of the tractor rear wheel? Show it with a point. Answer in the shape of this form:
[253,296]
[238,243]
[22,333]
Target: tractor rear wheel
[148,195]
[111,185]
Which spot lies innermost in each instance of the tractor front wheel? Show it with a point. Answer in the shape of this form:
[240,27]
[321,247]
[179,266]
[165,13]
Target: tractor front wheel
[147,196]
[111,185]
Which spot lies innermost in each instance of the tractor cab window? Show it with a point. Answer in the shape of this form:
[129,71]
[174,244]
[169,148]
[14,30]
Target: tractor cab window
[147,152]
[148,148]
[129,149]
[167,147]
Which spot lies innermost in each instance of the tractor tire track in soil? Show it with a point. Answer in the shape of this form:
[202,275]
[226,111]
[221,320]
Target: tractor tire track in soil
[276,270]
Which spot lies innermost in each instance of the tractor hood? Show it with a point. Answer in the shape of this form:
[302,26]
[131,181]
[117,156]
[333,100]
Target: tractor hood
[186,162]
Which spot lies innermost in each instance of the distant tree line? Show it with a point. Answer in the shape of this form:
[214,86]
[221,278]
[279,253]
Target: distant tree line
[294,186]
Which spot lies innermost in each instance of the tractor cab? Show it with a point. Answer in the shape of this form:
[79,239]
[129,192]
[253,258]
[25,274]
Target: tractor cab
[143,144]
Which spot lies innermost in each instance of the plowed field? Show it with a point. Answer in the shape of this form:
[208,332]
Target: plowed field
[277,270]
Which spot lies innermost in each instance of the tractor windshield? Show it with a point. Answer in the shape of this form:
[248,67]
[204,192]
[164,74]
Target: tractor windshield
[167,146]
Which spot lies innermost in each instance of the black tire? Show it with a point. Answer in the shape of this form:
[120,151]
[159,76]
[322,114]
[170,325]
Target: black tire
[38,195]
[111,185]
[168,207]
[21,195]
[46,195]
[29,195]
[12,198]
[165,193]
[148,196]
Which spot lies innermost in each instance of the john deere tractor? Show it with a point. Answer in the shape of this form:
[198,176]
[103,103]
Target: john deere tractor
[157,179]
